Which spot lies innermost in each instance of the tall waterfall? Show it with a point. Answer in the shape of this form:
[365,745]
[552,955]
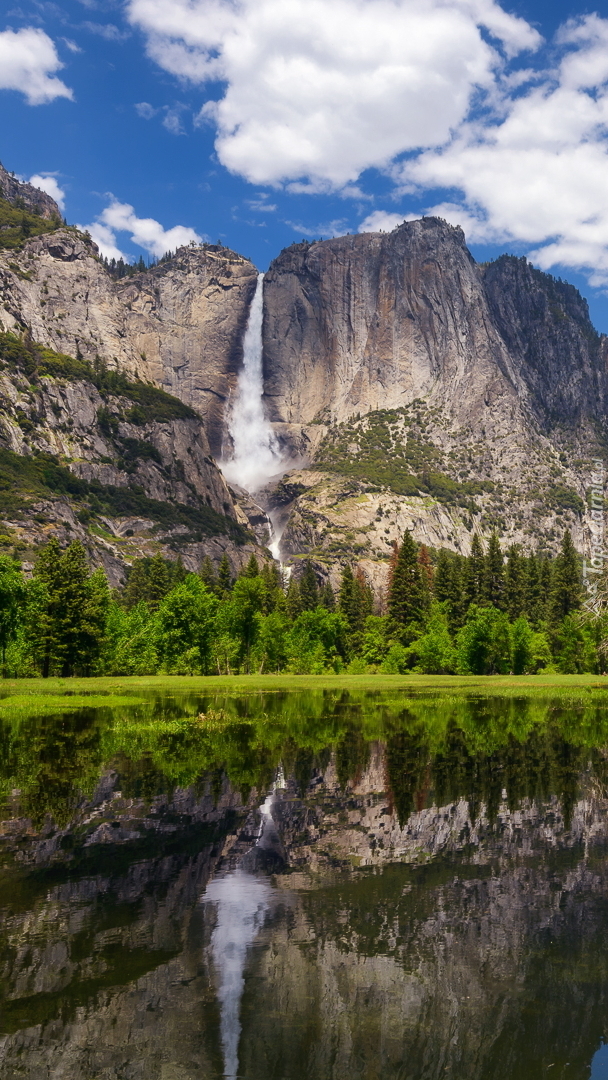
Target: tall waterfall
[256,455]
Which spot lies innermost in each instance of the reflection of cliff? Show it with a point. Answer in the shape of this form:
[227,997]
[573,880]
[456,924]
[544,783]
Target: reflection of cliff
[461,943]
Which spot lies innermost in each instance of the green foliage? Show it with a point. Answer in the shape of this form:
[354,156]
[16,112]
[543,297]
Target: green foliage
[149,404]
[170,621]
[406,594]
[484,642]
[66,610]
[25,478]
[378,450]
[17,224]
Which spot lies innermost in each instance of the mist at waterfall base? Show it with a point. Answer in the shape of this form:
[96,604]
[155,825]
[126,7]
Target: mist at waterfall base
[256,456]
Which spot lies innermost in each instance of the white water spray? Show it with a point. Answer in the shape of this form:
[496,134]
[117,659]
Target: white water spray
[256,455]
[242,902]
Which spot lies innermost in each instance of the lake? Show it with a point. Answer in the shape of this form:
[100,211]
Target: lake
[305,885]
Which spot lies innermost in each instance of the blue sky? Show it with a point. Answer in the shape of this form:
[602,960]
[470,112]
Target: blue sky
[260,122]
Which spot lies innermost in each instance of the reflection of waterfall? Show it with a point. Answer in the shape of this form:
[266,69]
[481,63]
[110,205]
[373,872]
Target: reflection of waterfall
[256,455]
[242,902]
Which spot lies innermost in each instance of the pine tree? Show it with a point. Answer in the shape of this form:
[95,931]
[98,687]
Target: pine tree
[536,592]
[293,601]
[159,581]
[406,594]
[566,591]
[449,588]
[475,574]
[67,623]
[515,584]
[495,574]
[252,568]
[427,574]
[327,597]
[224,576]
[309,593]
[12,600]
[208,575]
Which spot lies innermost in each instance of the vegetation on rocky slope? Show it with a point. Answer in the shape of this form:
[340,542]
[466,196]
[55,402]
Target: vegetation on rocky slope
[17,224]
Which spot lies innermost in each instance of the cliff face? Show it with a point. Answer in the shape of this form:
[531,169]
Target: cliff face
[424,390]
[179,325]
[120,465]
[29,197]
[376,321]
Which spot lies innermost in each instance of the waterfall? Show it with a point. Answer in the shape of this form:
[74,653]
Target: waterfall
[256,455]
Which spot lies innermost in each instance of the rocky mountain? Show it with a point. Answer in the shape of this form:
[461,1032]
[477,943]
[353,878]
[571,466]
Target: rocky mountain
[408,386]
[27,196]
[425,391]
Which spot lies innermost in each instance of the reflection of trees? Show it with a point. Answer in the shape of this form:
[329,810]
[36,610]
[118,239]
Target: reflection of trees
[53,761]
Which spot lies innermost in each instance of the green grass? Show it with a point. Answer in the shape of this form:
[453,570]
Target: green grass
[40,704]
[489,685]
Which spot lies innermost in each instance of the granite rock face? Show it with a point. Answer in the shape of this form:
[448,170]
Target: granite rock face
[378,320]
[179,325]
[29,197]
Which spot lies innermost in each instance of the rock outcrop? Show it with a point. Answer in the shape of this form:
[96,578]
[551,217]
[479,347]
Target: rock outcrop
[179,325]
[27,196]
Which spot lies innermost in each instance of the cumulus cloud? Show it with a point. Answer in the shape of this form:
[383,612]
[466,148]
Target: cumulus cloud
[381,221]
[145,232]
[28,61]
[537,174]
[320,90]
[47,182]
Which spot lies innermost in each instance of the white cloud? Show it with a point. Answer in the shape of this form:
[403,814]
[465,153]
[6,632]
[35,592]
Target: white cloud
[28,60]
[539,174]
[325,229]
[108,31]
[261,204]
[320,90]
[145,110]
[145,232]
[47,182]
[380,221]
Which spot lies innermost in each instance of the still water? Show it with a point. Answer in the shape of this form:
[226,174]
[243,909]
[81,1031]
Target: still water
[306,886]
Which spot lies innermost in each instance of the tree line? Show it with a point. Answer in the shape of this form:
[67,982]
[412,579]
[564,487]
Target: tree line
[486,613]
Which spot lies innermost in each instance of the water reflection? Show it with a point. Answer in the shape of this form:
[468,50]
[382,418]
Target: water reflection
[423,895]
[241,901]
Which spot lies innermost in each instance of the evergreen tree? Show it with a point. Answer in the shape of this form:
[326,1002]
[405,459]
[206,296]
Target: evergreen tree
[495,575]
[252,570]
[309,593]
[327,597]
[475,574]
[293,601]
[12,600]
[224,576]
[427,576]
[566,591]
[515,584]
[67,623]
[406,595]
[208,575]
[448,587]
[535,600]
[149,580]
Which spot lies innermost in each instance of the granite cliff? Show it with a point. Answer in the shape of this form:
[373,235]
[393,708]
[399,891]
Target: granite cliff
[408,386]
